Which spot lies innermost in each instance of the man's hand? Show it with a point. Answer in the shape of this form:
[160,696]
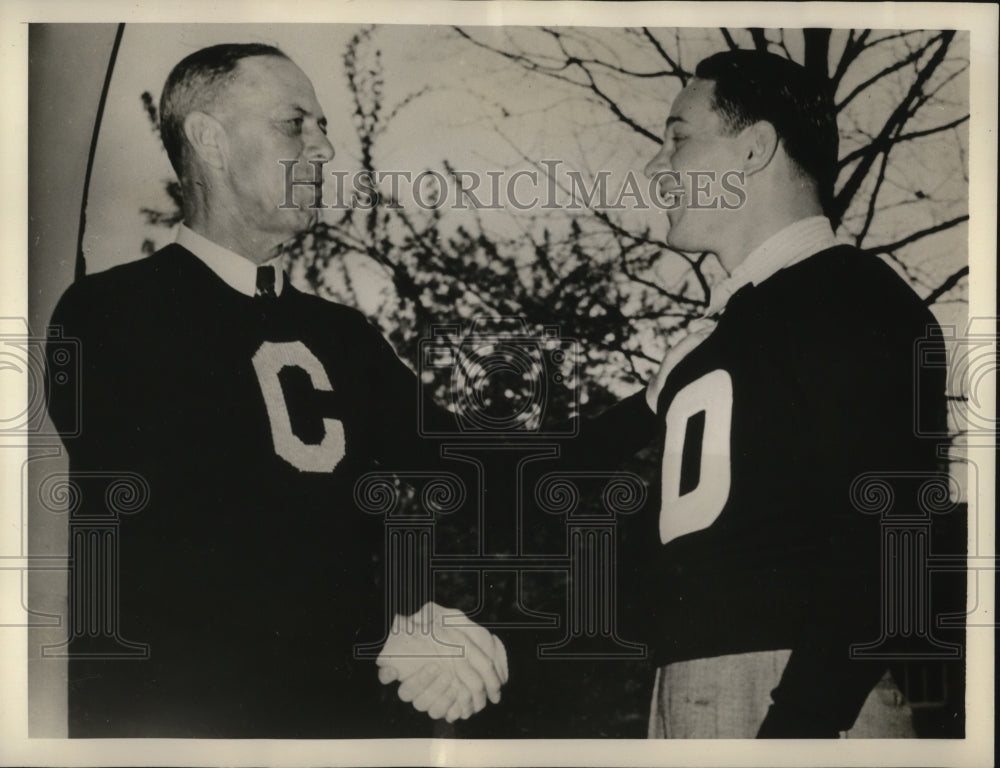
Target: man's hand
[447,664]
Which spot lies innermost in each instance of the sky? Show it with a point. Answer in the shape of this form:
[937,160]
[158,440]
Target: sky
[465,94]
[473,108]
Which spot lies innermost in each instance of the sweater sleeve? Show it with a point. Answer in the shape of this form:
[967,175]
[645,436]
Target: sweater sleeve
[409,426]
[605,440]
[413,428]
[93,408]
[820,694]
[413,433]
[823,687]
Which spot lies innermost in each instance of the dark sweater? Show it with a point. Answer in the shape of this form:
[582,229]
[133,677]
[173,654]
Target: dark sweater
[252,573]
[813,372]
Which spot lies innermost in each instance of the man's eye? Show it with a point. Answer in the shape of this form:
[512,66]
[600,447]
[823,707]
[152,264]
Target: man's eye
[296,124]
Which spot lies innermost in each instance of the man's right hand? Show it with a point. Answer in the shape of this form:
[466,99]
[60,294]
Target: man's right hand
[447,664]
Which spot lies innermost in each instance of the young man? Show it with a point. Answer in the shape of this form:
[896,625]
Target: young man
[765,571]
[249,410]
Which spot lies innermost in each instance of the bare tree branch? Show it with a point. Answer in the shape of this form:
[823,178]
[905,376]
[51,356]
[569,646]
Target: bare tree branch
[912,238]
[946,286]
[817,51]
[852,49]
[881,142]
[930,131]
[881,74]
[556,73]
[728,38]
[873,200]
[888,38]
[675,68]
[904,137]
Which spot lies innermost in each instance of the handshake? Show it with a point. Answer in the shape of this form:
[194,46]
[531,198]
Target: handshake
[447,664]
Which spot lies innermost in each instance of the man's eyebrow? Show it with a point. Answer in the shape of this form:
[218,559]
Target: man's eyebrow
[321,120]
[303,111]
[674,119]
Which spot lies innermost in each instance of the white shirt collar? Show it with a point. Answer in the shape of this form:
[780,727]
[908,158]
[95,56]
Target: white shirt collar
[796,242]
[236,271]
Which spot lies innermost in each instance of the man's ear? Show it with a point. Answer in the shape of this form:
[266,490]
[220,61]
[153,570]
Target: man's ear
[761,142]
[207,138]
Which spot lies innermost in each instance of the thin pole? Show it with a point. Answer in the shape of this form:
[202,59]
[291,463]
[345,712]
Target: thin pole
[81,261]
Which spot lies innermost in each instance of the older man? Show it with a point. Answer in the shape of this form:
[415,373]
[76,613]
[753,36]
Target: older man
[250,410]
[764,574]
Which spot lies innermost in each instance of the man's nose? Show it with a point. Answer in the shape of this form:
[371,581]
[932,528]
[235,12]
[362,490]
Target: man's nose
[319,147]
[659,163]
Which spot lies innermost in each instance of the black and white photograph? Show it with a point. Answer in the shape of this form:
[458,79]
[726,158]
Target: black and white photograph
[498,383]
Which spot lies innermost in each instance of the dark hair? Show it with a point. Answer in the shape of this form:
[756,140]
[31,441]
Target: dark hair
[754,85]
[194,83]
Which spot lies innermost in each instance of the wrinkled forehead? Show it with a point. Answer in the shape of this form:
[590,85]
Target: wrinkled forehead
[265,82]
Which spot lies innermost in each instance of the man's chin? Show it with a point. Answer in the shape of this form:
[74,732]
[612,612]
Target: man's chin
[680,242]
[301,220]
[675,236]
